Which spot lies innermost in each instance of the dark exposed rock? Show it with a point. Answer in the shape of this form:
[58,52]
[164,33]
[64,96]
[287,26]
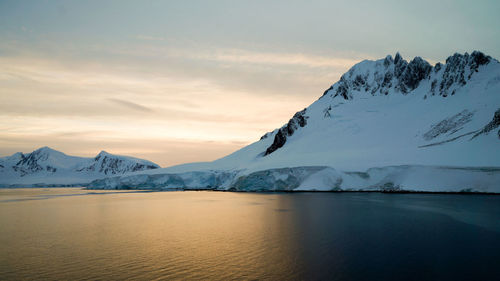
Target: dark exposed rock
[51,169]
[279,141]
[326,91]
[388,61]
[265,136]
[343,88]
[397,58]
[437,67]
[451,124]
[477,59]
[359,81]
[416,71]
[110,165]
[326,112]
[142,167]
[454,72]
[404,77]
[433,87]
[29,162]
[399,65]
[298,120]
[495,123]
[387,80]
[457,66]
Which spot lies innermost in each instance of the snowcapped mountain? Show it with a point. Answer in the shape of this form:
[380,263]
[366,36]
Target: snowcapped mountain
[387,124]
[392,112]
[46,166]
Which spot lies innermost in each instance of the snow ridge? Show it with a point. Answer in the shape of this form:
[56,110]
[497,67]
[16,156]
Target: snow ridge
[394,76]
[46,165]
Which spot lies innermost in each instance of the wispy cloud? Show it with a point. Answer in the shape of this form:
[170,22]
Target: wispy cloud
[235,55]
[227,96]
[276,58]
[130,104]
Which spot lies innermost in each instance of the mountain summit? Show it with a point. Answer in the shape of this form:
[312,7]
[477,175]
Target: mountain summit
[396,76]
[51,167]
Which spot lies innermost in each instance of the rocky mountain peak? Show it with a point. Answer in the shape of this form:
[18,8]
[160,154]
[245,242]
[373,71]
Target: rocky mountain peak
[35,161]
[101,155]
[392,76]
[397,58]
[397,75]
[458,69]
[46,160]
[110,164]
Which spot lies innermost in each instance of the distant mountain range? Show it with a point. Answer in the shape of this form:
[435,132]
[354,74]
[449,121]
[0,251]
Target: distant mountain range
[388,125]
[46,166]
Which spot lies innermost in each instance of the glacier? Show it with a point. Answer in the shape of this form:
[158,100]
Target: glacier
[318,178]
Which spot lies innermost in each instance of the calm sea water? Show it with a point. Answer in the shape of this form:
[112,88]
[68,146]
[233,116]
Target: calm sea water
[74,234]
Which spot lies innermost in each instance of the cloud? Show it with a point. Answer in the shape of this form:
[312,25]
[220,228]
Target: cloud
[275,58]
[235,55]
[131,105]
[165,151]
[179,99]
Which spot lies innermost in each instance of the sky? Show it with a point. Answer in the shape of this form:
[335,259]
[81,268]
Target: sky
[187,81]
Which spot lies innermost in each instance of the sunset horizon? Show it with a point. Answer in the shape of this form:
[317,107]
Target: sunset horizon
[171,87]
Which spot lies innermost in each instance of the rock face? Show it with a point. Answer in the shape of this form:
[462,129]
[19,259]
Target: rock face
[46,165]
[448,125]
[495,123]
[109,164]
[29,163]
[298,120]
[459,69]
[397,75]
[389,74]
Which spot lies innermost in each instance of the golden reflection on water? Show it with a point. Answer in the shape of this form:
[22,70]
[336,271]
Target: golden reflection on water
[74,234]
[161,235]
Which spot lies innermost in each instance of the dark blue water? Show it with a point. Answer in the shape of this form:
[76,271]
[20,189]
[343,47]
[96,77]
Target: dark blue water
[73,234]
[399,236]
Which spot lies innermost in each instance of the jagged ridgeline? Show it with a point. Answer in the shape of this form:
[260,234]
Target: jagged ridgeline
[403,77]
[392,76]
[49,166]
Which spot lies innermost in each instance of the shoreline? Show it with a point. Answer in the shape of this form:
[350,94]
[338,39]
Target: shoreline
[81,186]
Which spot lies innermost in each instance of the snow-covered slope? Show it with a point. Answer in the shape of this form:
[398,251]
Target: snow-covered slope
[386,124]
[46,166]
[390,112]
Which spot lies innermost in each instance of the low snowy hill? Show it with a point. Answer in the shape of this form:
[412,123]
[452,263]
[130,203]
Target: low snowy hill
[46,166]
[387,124]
